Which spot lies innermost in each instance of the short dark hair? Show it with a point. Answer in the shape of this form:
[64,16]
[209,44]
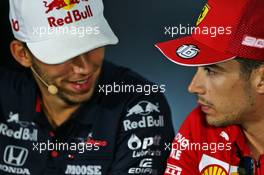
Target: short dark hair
[26,47]
[247,66]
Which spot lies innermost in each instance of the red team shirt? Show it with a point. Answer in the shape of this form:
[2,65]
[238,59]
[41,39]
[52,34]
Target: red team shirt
[202,149]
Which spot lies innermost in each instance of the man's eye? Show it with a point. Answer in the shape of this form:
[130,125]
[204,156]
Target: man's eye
[209,71]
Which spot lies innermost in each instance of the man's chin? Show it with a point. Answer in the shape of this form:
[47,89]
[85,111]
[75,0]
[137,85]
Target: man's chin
[77,98]
[220,121]
[215,123]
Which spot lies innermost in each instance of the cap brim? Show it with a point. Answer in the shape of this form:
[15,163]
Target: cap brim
[61,49]
[204,56]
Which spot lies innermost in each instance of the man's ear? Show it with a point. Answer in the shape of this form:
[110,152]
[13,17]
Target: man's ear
[21,53]
[260,79]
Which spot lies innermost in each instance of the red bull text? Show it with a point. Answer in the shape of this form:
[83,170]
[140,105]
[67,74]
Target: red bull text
[71,16]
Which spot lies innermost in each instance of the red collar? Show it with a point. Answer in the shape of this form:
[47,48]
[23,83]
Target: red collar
[38,104]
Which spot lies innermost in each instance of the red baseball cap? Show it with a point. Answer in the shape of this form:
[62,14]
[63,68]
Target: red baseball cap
[225,30]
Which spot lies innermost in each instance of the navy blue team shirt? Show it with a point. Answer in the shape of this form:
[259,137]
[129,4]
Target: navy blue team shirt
[114,133]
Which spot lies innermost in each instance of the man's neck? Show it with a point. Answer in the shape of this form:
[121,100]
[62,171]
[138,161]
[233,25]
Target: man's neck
[254,132]
[56,110]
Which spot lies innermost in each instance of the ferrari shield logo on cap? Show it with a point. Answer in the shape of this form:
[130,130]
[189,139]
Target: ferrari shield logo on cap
[203,14]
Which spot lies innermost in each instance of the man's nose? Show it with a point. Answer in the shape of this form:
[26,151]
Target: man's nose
[81,65]
[197,85]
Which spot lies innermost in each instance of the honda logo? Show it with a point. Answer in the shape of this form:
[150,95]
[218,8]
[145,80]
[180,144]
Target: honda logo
[15,155]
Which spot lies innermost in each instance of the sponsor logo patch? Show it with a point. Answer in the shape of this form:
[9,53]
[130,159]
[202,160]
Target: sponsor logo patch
[20,134]
[14,158]
[84,169]
[253,42]
[213,170]
[145,167]
[71,15]
[224,135]
[173,169]
[143,108]
[203,14]
[14,118]
[145,122]
[211,165]
[141,147]
[187,51]
[25,132]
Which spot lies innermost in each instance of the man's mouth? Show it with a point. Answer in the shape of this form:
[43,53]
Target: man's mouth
[202,103]
[205,107]
[81,81]
[83,84]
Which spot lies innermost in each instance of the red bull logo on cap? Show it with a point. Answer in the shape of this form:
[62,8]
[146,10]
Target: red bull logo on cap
[72,16]
[58,4]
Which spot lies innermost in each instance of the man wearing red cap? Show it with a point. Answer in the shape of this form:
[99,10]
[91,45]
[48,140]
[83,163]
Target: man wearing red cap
[225,133]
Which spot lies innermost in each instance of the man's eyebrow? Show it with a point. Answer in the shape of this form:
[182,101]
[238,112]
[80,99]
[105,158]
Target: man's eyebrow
[215,66]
